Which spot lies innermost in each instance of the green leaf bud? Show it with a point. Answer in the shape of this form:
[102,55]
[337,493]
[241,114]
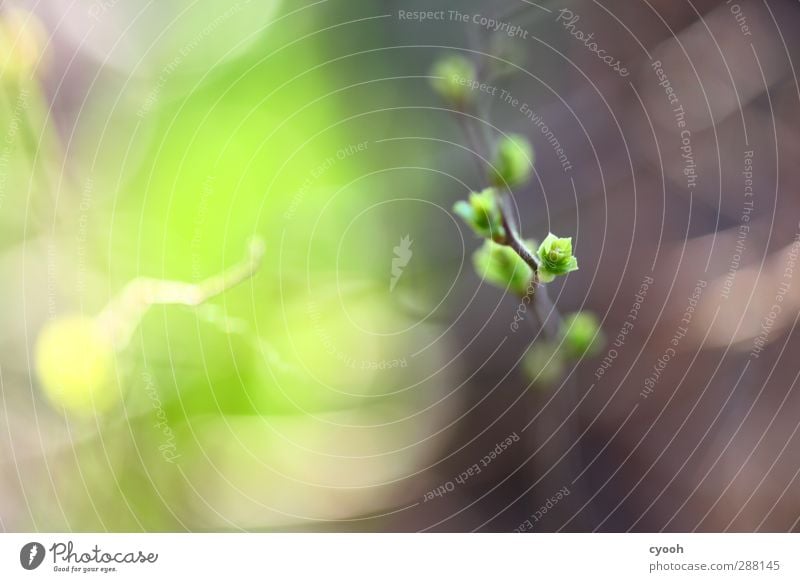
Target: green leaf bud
[501,266]
[544,363]
[582,335]
[513,161]
[452,77]
[555,258]
[482,213]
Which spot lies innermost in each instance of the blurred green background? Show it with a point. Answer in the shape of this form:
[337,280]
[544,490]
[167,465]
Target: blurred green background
[303,394]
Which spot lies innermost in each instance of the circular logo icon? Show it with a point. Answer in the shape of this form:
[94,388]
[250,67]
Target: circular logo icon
[31,555]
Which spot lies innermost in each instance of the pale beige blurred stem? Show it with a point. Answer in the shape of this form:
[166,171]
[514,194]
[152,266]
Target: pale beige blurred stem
[122,315]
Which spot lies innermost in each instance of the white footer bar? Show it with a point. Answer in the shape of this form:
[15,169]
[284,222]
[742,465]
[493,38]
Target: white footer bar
[401,557]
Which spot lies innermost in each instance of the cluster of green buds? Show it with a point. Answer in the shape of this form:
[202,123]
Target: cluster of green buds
[499,260]
[505,259]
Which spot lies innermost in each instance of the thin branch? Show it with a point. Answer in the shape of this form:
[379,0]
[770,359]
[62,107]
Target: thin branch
[548,313]
[545,314]
[122,315]
[514,240]
[545,310]
[472,141]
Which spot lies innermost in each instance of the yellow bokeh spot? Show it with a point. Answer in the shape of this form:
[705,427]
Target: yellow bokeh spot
[75,364]
[23,39]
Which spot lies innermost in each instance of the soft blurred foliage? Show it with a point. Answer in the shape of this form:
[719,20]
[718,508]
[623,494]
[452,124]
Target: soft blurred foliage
[298,396]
